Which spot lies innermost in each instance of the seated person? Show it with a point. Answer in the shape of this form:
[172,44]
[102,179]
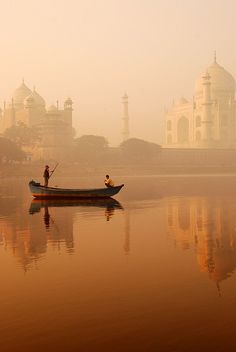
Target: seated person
[109,182]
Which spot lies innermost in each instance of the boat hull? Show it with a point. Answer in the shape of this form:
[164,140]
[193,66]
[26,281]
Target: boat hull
[41,192]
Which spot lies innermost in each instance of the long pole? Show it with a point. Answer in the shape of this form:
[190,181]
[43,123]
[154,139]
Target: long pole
[54,169]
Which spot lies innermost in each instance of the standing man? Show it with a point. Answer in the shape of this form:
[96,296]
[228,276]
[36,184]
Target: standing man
[46,175]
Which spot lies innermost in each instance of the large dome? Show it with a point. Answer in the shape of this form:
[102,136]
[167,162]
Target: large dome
[20,94]
[221,80]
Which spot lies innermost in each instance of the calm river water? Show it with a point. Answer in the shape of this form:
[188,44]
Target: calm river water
[152,270]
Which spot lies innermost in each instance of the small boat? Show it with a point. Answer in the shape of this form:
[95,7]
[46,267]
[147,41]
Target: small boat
[42,192]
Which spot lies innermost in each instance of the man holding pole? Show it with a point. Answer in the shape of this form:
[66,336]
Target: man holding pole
[47,174]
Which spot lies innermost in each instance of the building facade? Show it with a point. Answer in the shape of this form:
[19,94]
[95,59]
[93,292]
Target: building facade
[209,120]
[53,125]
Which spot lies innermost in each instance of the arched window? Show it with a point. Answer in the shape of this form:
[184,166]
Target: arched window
[169,125]
[169,139]
[198,121]
[183,130]
[198,136]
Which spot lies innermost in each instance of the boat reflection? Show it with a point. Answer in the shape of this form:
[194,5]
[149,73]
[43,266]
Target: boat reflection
[25,236]
[109,204]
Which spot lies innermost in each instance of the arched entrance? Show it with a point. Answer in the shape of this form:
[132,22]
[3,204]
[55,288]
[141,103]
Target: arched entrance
[183,130]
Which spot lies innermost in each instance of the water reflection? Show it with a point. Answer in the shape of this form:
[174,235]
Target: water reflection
[49,226]
[109,205]
[209,226]
[206,225]
[120,282]
[127,232]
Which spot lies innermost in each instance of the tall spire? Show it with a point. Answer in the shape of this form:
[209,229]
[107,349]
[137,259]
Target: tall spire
[215,56]
[125,118]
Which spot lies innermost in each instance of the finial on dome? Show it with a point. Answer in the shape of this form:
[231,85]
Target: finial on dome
[215,56]
[23,80]
[125,96]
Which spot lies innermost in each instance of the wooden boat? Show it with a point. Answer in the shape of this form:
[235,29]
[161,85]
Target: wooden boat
[39,191]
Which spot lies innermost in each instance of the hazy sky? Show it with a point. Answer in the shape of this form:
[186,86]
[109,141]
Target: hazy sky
[95,50]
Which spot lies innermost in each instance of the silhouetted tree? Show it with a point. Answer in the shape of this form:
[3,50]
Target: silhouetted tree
[90,147]
[136,148]
[22,135]
[9,151]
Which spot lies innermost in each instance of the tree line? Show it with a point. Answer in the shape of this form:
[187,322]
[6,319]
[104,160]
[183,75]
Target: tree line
[87,148]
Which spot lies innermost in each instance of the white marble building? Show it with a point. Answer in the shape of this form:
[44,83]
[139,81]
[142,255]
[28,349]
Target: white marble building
[209,120]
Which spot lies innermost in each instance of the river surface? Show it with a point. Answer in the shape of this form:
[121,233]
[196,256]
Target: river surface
[152,270]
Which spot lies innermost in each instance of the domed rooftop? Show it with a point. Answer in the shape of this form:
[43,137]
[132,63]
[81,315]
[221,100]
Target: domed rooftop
[52,108]
[21,93]
[38,99]
[181,101]
[69,101]
[220,79]
[29,100]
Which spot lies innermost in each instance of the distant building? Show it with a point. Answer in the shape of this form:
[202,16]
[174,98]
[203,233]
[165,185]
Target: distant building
[209,120]
[125,118]
[53,124]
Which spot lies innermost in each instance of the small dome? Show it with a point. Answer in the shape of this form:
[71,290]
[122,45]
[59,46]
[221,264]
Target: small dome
[52,108]
[20,94]
[68,101]
[220,79]
[38,99]
[181,101]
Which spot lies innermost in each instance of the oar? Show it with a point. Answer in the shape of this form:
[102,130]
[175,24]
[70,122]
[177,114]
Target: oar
[54,169]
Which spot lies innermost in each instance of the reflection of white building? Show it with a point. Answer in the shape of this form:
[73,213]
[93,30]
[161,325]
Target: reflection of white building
[207,225]
[208,120]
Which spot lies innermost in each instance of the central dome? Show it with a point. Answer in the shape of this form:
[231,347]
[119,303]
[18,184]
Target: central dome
[220,79]
[20,94]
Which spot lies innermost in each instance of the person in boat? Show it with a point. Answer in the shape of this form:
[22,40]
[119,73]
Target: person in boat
[108,182]
[46,175]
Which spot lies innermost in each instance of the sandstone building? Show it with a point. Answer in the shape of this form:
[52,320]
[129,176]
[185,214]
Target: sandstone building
[53,124]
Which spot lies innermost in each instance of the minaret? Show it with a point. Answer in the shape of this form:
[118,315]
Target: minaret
[13,117]
[125,117]
[68,111]
[206,110]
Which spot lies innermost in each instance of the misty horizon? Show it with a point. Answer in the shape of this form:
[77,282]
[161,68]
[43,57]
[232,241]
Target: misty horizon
[95,51]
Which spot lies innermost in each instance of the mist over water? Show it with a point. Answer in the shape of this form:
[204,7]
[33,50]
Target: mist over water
[96,50]
[145,271]
[143,91]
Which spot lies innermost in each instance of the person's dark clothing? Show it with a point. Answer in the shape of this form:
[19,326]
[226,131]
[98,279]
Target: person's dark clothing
[46,177]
